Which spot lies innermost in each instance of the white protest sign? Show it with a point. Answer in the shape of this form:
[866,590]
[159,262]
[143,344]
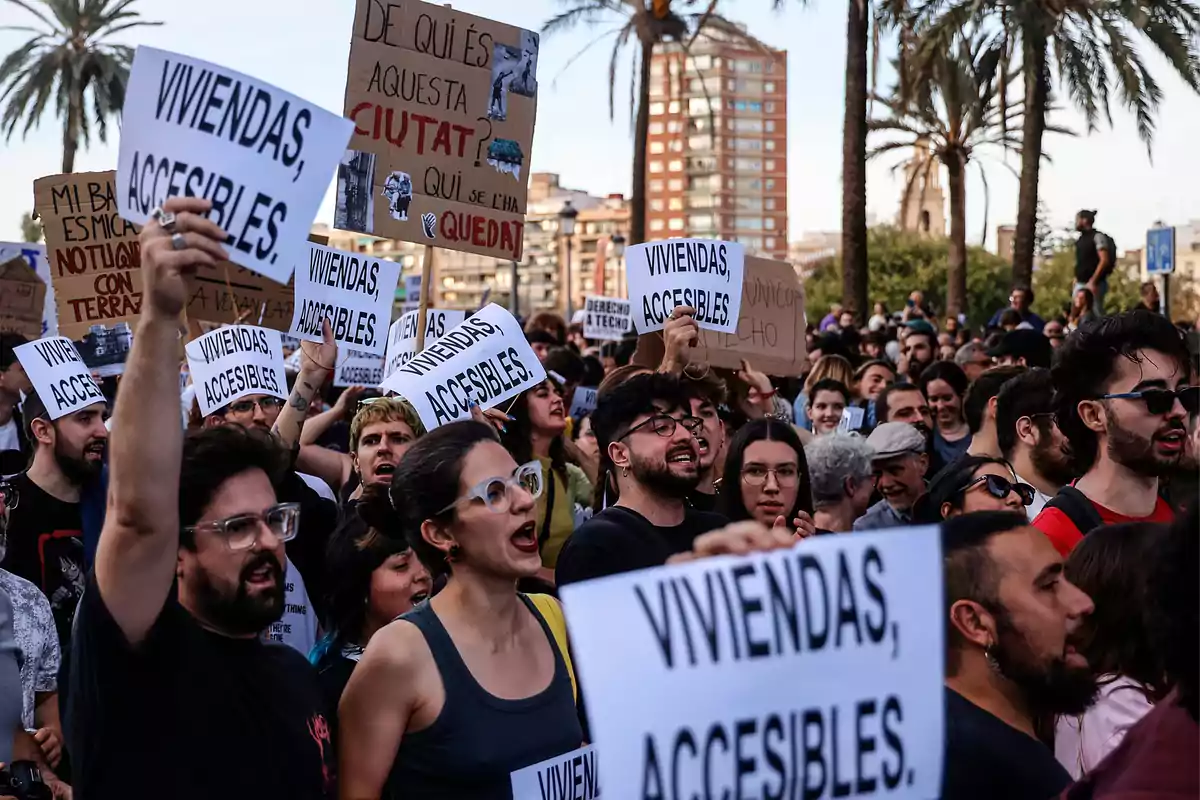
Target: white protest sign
[817,668]
[702,273]
[352,290]
[235,361]
[402,336]
[359,369]
[605,318]
[485,360]
[574,775]
[35,255]
[583,402]
[852,418]
[263,156]
[58,374]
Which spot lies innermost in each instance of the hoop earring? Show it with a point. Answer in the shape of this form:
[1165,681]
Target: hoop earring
[624,472]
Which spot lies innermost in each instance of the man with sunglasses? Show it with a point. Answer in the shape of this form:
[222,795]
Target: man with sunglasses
[1123,396]
[648,449]
[172,692]
[1029,437]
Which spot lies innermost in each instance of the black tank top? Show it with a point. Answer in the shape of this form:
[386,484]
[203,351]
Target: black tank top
[478,739]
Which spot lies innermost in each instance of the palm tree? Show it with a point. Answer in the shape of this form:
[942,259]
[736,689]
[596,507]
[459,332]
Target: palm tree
[69,59]
[949,108]
[1092,46]
[651,22]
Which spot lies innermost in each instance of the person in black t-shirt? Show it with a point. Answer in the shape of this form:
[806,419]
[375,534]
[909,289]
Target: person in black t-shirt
[647,441]
[1012,620]
[45,534]
[172,693]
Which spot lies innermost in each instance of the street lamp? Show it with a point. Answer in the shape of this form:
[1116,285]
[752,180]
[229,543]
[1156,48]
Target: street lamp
[618,246]
[566,226]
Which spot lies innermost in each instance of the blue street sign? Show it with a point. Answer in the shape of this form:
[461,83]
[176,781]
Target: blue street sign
[1160,251]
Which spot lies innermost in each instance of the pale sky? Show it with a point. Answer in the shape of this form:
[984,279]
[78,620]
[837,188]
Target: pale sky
[303,46]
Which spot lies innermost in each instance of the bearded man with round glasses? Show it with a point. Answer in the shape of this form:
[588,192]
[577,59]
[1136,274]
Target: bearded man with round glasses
[168,671]
[1123,395]
[647,439]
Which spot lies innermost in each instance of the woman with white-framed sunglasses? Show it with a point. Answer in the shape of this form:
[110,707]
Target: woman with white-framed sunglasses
[476,683]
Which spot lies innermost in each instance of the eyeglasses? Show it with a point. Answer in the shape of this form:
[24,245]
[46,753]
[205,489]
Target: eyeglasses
[240,532]
[9,496]
[1000,487]
[1161,401]
[664,425]
[247,406]
[786,475]
[497,493]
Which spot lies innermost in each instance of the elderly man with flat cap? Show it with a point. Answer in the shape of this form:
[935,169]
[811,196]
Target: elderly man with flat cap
[899,465]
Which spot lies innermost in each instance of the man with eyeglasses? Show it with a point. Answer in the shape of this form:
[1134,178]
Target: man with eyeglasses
[1020,301]
[899,463]
[1123,398]
[172,692]
[1029,437]
[647,439]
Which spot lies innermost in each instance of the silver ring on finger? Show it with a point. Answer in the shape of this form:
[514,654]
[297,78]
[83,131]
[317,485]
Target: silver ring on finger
[165,219]
[178,242]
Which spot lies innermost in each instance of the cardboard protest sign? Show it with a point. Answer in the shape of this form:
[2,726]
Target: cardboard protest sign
[605,318]
[443,106]
[819,667]
[702,273]
[352,290]
[402,336]
[58,374]
[583,401]
[574,774]
[359,368]
[35,256]
[485,360]
[94,255]
[262,155]
[22,295]
[770,330]
[235,361]
[229,294]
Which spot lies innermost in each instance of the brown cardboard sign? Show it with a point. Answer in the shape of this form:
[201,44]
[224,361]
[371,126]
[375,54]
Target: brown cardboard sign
[94,255]
[22,295]
[443,105]
[770,332]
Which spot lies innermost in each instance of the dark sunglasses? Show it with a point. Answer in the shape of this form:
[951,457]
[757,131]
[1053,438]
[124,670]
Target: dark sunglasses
[999,488]
[1161,401]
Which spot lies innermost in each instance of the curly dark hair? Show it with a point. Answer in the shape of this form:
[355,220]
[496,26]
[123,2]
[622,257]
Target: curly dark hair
[1085,365]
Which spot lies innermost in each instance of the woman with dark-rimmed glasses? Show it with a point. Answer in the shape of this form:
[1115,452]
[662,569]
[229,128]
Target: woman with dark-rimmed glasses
[973,483]
[451,698]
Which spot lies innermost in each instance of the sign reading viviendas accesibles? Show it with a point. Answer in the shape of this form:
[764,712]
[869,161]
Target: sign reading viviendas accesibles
[62,380]
[702,273]
[235,361]
[352,290]
[262,155]
[443,108]
[811,672]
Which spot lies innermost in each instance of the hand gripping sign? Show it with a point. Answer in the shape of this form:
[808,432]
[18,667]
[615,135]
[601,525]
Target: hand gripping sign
[235,361]
[58,373]
[485,360]
[810,672]
[702,273]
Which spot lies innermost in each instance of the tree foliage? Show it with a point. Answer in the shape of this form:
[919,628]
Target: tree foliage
[1054,279]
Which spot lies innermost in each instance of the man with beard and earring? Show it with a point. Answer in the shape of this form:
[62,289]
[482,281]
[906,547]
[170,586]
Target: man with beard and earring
[45,532]
[1011,619]
[172,692]
[647,438]
[1030,439]
[1122,398]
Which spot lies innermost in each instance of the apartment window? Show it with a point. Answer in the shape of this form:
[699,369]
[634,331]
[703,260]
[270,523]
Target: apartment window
[770,203]
[675,185]
[769,242]
[770,165]
[770,126]
[655,166]
[656,224]
[701,142]
[656,127]
[673,107]
[700,62]
[748,203]
[656,185]
[657,148]
[749,223]
[769,86]
[676,146]
[750,242]
[656,204]
[770,184]
[656,109]
[697,105]
[733,85]
[770,108]
[770,143]
[676,224]
[675,165]
[770,66]
[769,223]
[674,126]
[675,204]
[749,164]
[656,69]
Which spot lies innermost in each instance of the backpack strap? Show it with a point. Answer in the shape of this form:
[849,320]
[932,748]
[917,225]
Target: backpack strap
[551,611]
[1078,508]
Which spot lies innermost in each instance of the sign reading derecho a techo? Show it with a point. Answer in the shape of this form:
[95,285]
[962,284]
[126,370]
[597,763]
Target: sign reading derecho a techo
[702,273]
[485,360]
[402,336]
[58,373]
[352,290]
[811,672]
[605,318]
[235,361]
[443,108]
[262,155]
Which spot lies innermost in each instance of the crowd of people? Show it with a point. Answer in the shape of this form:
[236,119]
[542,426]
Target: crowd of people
[320,598]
